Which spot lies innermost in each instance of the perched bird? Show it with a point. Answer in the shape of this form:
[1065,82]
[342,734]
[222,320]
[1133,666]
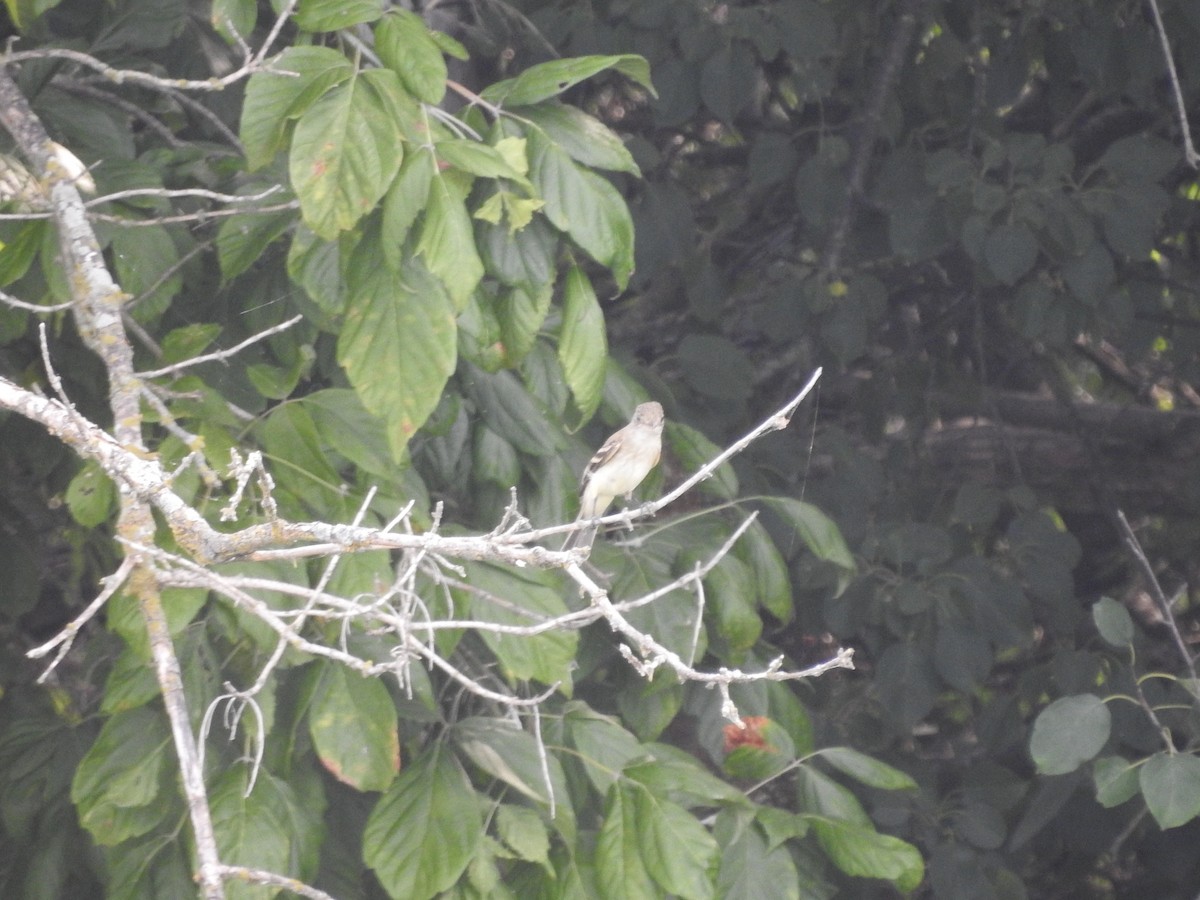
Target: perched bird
[618,467]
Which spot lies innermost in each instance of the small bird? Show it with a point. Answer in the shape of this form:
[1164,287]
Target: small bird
[618,467]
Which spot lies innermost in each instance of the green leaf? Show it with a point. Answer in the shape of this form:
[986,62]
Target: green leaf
[509,597]
[242,240]
[822,795]
[478,159]
[550,79]
[749,863]
[399,330]
[262,829]
[120,783]
[406,199]
[768,571]
[1113,622]
[729,604]
[405,46]
[583,344]
[1010,251]
[693,450]
[347,149]
[20,243]
[522,831]
[447,240]
[1068,733]
[583,205]
[426,829]
[1171,787]
[333,15]
[274,98]
[511,412]
[1116,780]
[676,775]
[188,341]
[648,847]
[521,313]
[233,19]
[496,461]
[962,656]
[315,265]
[353,724]
[511,756]
[867,769]
[91,495]
[586,139]
[865,853]
[142,257]
[525,258]
[603,746]
[817,530]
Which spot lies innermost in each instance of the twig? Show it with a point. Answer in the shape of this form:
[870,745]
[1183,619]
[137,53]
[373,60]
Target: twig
[1135,547]
[66,637]
[9,300]
[1189,150]
[175,368]
[259,876]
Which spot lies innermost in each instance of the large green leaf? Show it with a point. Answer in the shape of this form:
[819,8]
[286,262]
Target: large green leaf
[404,45]
[583,344]
[550,79]
[119,785]
[1171,785]
[347,149]
[406,199]
[274,97]
[447,240]
[353,724]
[262,829]
[1069,732]
[332,15]
[646,841]
[398,344]
[586,139]
[583,205]
[426,829]
[693,450]
[749,864]
[769,573]
[242,240]
[510,755]
[508,597]
[819,532]
[866,853]
[867,769]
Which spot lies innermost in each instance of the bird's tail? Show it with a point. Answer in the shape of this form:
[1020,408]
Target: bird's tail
[581,537]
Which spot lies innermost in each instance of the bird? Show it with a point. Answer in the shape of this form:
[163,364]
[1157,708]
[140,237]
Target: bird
[618,467]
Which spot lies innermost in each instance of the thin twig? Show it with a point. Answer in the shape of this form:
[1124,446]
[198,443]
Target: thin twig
[1189,150]
[1164,605]
[175,368]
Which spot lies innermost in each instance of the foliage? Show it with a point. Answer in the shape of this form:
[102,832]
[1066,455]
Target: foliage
[976,217]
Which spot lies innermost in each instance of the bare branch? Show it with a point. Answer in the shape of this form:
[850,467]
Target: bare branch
[66,637]
[1189,149]
[175,368]
[259,876]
